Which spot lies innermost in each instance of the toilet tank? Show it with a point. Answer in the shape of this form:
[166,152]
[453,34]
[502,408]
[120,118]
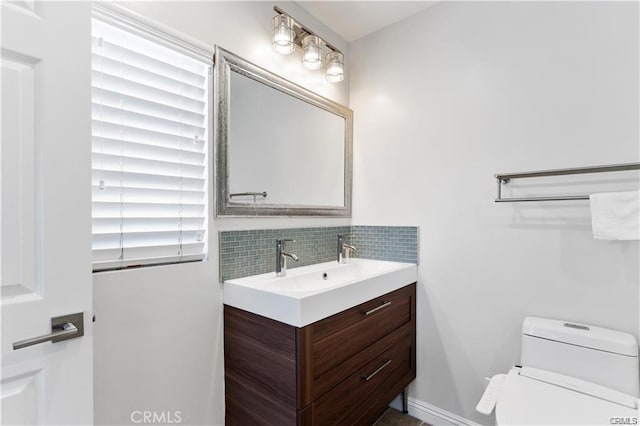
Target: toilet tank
[599,355]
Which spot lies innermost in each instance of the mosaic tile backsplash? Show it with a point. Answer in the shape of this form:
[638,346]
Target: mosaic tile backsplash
[395,243]
[244,253]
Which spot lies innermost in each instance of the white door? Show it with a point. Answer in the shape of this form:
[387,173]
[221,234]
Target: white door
[45,217]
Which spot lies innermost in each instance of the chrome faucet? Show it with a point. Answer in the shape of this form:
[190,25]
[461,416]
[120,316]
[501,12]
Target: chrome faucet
[344,249]
[281,257]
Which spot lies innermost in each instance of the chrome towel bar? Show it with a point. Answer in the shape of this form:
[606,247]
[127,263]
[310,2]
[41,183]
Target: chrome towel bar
[248,194]
[503,178]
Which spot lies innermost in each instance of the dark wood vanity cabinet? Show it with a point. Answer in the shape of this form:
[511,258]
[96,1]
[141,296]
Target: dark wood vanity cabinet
[342,370]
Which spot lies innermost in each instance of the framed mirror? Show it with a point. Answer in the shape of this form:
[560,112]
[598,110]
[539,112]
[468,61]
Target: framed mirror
[281,150]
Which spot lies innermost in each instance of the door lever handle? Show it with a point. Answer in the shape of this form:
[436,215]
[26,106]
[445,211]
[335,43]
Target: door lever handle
[68,329]
[62,328]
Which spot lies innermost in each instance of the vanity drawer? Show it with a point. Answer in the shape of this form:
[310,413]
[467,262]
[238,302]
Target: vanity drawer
[352,401]
[341,336]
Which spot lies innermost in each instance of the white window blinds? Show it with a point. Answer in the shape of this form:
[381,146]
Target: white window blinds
[149,150]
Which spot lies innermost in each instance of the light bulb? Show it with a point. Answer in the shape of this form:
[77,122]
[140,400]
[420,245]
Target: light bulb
[311,52]
[335,67]
[283,34]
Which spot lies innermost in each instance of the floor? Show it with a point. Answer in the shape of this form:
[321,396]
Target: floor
[393,417]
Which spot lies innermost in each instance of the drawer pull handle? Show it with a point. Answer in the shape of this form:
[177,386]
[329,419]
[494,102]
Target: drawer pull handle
[384,305]
[379,369]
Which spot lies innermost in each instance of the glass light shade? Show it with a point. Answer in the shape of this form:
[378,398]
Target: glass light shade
[283,34]
[311,52]
[335,67]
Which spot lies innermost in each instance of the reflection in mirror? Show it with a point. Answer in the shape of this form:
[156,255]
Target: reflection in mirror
[291,150]
[281,149]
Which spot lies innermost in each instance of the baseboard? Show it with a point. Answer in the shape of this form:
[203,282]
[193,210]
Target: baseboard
[431,414]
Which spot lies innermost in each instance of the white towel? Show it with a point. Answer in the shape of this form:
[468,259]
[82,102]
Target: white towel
[616,215]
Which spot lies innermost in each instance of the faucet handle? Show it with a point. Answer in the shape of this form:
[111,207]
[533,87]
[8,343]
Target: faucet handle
[280,242]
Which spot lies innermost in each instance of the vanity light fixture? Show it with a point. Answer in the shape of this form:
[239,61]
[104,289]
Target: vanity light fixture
[335,67]
[289,34]
[283,34]
[311,52]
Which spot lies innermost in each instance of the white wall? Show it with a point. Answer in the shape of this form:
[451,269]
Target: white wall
[447,98]
[158,334]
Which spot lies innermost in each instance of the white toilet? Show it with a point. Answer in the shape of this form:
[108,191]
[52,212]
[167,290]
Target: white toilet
[571,374]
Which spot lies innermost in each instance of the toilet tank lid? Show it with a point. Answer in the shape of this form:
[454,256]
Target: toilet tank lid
[583,335]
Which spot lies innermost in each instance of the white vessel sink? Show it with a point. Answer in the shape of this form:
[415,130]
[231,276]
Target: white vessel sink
[310,293]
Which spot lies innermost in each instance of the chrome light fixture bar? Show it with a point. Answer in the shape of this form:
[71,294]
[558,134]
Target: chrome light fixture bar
[289,33]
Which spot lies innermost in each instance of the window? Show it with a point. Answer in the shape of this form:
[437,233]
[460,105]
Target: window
[150,136]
